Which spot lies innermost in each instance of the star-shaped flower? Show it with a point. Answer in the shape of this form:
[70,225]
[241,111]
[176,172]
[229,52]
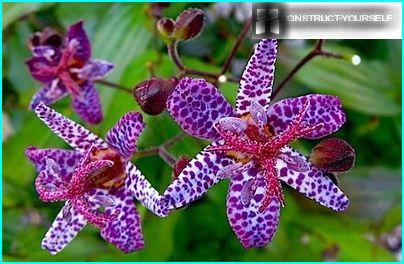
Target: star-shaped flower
[96,175]
[251,147]
[65,67]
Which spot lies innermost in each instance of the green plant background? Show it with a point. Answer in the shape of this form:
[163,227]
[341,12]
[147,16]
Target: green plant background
[122,34]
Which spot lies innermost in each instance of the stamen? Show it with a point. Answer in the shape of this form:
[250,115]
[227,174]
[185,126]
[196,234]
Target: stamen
[233,124]
[79,182]
[259,115]
[46,194]
[104,200]
[249,190]
[272,185]
[231,170]
[295,163]
[67,214]
[96,218]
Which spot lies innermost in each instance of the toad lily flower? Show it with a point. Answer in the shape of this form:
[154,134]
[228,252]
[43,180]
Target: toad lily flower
[96,175]
[66,68]
[251,148]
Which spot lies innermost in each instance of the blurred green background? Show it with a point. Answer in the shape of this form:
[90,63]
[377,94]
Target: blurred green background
[123,34]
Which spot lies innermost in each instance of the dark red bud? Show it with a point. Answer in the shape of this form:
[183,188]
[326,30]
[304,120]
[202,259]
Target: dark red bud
[179,166]
[48,36]
[189,24]
[152,94]
[165,26]
[333,155]
[156,9]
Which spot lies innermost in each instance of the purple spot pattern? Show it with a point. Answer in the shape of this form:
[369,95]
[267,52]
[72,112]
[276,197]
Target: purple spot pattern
[123,136]
[95,70]
[142,190]
[75,135]
[196,179]
[252,228]
[326,109]
[76,32]
[124,231]
[196,105]
[313,183]
[258,77]
[63,230]
[36,65]
[49,94]
[65,159]
[87,103]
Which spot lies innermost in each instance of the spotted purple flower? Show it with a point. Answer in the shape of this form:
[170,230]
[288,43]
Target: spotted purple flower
[251,147]
[96,175]
[66,68]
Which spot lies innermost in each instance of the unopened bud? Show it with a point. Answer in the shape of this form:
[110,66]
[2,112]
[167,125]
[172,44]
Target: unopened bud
[189,24]
[165,26]
[179,166]
[48,37]
[152,94]
[333,155]
[156,9]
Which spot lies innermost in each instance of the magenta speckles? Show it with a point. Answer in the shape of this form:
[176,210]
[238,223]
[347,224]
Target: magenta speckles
[251,147]
[96,174]
[197,105]
[66,68]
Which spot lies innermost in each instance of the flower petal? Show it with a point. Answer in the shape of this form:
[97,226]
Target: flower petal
[66,159]
[124,134]
[95,70]
[87,103]
[325,109]
[77,33]
[74,134]
[40,69]
[258,77]
[125,231]
[49,94]
[67,225]
[312,183]
[253,229]
[196,178]
[196,105]
[143,191]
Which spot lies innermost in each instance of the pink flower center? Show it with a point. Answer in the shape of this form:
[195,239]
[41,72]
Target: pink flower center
[99,169]
[251,139]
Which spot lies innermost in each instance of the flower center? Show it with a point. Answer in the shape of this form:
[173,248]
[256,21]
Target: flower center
[250,139]
[112,177]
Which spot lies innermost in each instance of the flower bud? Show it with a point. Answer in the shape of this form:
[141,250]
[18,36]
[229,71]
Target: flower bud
[156,9]
[165,26]
[179,166]
[333,155]
[188,24]
[48,37]
[152,94]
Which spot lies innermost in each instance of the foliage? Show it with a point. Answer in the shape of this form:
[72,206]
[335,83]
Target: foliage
[123,34]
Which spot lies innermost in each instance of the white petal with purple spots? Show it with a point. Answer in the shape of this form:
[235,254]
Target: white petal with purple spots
[125,231]
[66,159]
[75,135]
[124,134]
[258,77]
[67,225]
[312,183]
[253,229]
[196,178]
[196,105]
[87,103]
[325,109]
[143,191]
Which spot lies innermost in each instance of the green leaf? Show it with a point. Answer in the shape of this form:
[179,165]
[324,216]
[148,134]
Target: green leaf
[13,11]
[367,88]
